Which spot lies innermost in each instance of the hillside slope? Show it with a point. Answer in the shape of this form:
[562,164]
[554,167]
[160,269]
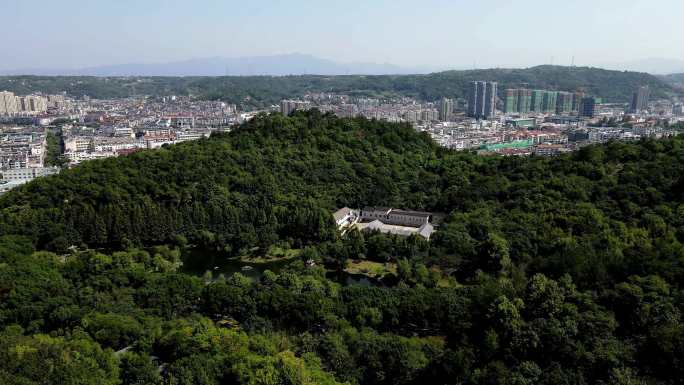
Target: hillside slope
[274,176]
[277,179]
[675,80]
[547,271]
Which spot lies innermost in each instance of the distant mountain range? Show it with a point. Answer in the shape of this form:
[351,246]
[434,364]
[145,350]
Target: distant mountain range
[274,65]
[296,64]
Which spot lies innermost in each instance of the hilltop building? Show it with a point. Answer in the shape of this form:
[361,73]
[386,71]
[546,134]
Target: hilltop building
[385,220]
[345,217]
[398,222]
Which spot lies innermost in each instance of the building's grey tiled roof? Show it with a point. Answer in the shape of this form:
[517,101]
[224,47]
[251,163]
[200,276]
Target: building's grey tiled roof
[375,225]
[371,208]
[422,214]
[426,230]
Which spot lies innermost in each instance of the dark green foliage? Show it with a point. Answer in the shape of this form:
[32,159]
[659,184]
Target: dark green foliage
[42,359]
[274,178]
[495,330]
[570,268]
[600,215]
[54,155]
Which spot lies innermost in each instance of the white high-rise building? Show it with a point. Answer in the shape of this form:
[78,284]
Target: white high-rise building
[8,103]
[446,108]
[56,101]
[33,104]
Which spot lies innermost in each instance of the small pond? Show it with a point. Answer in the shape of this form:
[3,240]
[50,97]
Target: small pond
[198,262]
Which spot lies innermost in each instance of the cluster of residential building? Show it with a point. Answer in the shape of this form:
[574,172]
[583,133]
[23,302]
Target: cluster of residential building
[93,129]
[20,148]
[397,109]
[85,143]
[22,157]
[541,136]
[520,122]
[525,101]
[111,127]
[29,105]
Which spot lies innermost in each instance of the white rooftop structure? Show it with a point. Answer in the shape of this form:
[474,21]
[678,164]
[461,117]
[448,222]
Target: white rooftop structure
[424,231]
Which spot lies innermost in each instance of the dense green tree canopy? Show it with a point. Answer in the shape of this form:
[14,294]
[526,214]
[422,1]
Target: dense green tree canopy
[562,270]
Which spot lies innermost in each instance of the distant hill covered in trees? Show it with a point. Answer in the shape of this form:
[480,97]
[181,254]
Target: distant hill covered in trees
[260,91]
[675,80]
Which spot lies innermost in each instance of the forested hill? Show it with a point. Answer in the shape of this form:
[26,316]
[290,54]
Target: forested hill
[260,91]
[675,80]
[277,179]
[274,177]
[548,271]
[675,77]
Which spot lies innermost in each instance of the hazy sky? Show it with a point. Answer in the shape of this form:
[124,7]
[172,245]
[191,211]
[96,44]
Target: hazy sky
[435,33]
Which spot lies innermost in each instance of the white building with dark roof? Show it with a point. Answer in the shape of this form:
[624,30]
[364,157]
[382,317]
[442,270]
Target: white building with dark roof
[345,217]
[391,216]
[398,222]
[424,231]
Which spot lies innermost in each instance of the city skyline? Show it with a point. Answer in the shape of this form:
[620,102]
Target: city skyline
[488,34]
